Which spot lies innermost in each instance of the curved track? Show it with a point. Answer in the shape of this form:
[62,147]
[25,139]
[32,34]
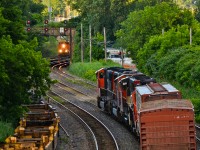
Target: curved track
[102,137]
[86,91]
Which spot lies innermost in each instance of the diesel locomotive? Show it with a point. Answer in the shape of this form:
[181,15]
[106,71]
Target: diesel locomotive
[63,48]
[154,111]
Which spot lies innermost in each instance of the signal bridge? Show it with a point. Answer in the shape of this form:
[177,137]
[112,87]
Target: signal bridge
[52,31]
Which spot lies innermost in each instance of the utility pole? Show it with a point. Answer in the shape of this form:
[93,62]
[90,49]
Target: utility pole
[90,37]
[163,31]
[81,43]
[71,43]
[190,36]
[122,56]
[104,31]
[50,10]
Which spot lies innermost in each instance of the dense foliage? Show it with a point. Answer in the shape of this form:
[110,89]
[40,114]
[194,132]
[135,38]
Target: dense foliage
[23,71]
[5,130]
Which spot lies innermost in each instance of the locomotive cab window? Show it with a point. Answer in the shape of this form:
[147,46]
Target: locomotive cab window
[101,75]
[124,85]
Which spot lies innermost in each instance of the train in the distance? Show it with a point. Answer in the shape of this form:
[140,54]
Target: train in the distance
[154,111]
[63,48]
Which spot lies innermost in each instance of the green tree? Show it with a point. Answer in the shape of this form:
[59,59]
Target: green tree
[141,25]
[22,70]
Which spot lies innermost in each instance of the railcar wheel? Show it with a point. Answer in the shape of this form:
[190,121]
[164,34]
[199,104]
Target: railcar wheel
[98,101]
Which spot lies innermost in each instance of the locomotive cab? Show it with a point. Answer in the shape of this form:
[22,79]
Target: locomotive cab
[63,48]
[106,86]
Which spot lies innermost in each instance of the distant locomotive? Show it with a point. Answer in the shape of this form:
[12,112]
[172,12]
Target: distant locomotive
[63,48]
[155,111]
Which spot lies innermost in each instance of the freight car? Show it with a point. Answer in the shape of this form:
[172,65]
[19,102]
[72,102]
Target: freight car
[63,48]
[38,129]
[154,111]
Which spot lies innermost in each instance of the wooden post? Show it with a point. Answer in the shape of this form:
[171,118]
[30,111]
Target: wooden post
[70,42]
[104,31]
[81,42]
[190,36]
[90,37]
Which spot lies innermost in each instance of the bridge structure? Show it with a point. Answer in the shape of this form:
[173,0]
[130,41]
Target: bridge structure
[52,31]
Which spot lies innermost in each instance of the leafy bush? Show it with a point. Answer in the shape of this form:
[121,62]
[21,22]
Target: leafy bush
[167,64]
[5,130]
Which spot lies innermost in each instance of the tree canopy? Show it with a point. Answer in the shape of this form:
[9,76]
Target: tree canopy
[23,71]
[142,24]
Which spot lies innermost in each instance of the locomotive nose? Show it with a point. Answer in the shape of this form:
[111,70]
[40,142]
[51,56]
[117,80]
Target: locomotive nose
[60,50]
[63,45]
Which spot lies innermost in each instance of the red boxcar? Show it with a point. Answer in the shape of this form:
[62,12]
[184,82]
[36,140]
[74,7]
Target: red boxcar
[167,125]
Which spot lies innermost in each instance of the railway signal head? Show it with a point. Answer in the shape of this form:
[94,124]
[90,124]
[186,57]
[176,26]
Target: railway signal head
[46,30]
[28,22]
[28,29]
[46,21]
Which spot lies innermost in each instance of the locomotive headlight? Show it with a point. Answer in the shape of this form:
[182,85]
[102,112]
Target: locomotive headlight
[63,45]
[60,50]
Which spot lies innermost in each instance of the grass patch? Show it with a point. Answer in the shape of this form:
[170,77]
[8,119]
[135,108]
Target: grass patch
[64,139]
[56,98]
[87,70]
[6,129]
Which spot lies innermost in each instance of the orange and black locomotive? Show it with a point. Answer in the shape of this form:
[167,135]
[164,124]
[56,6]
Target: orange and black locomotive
[154,111]
[63,48]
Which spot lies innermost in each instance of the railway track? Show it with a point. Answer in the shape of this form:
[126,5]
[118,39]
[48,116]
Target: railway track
[86,99]
[102,138]
[59,61]
[197,133]
[81,94]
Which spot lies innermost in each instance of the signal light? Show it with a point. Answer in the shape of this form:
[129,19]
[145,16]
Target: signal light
[28,29]
[65,21]
[65,29]
[28,22]
[46,22]
[46,29]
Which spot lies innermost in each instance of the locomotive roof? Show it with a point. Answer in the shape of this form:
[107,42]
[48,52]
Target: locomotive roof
[160,104]
[110,68]
[155,87]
